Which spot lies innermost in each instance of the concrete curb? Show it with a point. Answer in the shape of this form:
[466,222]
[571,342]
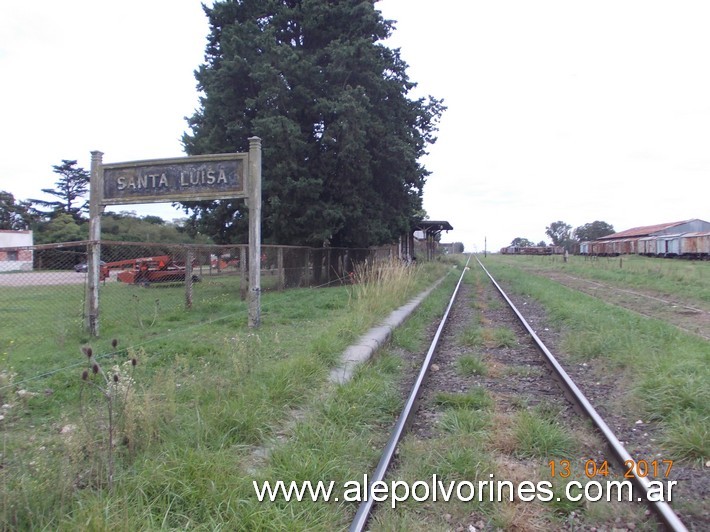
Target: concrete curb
[363,349]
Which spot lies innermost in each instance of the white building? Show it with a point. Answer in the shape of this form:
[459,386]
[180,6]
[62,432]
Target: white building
[15,250]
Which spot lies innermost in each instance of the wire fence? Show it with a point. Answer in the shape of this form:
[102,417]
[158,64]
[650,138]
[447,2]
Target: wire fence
[43,288]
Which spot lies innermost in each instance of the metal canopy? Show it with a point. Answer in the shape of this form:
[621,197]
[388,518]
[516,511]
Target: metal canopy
[430,228]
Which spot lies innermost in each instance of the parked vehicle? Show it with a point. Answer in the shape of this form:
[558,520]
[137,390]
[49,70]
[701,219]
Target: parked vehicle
[82,266]
[147,270]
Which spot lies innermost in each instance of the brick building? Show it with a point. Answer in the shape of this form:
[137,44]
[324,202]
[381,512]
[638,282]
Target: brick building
[15,250]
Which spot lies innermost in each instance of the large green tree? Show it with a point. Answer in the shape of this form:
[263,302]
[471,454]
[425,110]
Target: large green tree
[593,231]
[61,228]
[70,190]
[341,136]
[522,242]
[127,226]
[560,233]
[14,215]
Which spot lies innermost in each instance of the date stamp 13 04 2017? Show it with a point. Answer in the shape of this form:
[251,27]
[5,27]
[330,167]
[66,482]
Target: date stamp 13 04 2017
[651,470]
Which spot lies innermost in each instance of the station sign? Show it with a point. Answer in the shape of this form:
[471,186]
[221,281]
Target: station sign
[196,178]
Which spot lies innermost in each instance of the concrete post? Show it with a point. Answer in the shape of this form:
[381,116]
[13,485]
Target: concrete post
[242,272]
[93,258]
[189,257]
[307,274]
[280,267]
[254,184]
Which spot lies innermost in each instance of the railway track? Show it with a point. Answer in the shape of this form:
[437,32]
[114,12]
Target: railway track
[518,371]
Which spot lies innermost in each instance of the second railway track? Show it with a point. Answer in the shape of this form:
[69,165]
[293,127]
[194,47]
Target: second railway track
[491,408]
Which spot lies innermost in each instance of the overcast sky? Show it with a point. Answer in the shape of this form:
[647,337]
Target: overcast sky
[557,110]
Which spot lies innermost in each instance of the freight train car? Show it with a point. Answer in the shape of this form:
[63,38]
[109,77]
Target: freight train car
[532,250]
[695,245]
[691,245]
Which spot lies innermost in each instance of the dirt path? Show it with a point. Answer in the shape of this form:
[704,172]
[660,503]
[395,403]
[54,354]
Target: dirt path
[692,318]
[42,278]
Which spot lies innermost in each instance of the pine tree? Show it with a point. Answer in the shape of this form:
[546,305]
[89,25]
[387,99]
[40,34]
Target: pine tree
[341,138]
[71,187]
[14,215]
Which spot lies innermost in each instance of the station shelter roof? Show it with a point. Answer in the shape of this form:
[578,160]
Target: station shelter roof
[432,226]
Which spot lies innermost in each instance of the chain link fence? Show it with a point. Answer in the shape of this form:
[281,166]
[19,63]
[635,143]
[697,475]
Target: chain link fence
[43,288]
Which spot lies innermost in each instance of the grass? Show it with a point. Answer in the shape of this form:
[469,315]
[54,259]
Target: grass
[522,371]
[472,336]
[463,421]
[218,406]
[539,436]
[458,454]
[477,437]
[453,457]
[665,372]
[687,436]
[477,398]
[214,406]
[491,337]
[689,279]
[412,335]
[469,365]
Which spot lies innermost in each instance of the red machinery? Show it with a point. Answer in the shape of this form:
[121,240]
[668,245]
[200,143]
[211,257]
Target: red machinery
[146,270]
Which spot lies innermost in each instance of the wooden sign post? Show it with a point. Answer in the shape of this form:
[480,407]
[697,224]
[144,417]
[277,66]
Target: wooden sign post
[196,178]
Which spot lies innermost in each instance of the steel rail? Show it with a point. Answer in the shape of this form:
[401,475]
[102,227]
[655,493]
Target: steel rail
[363,511]
[662,509]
